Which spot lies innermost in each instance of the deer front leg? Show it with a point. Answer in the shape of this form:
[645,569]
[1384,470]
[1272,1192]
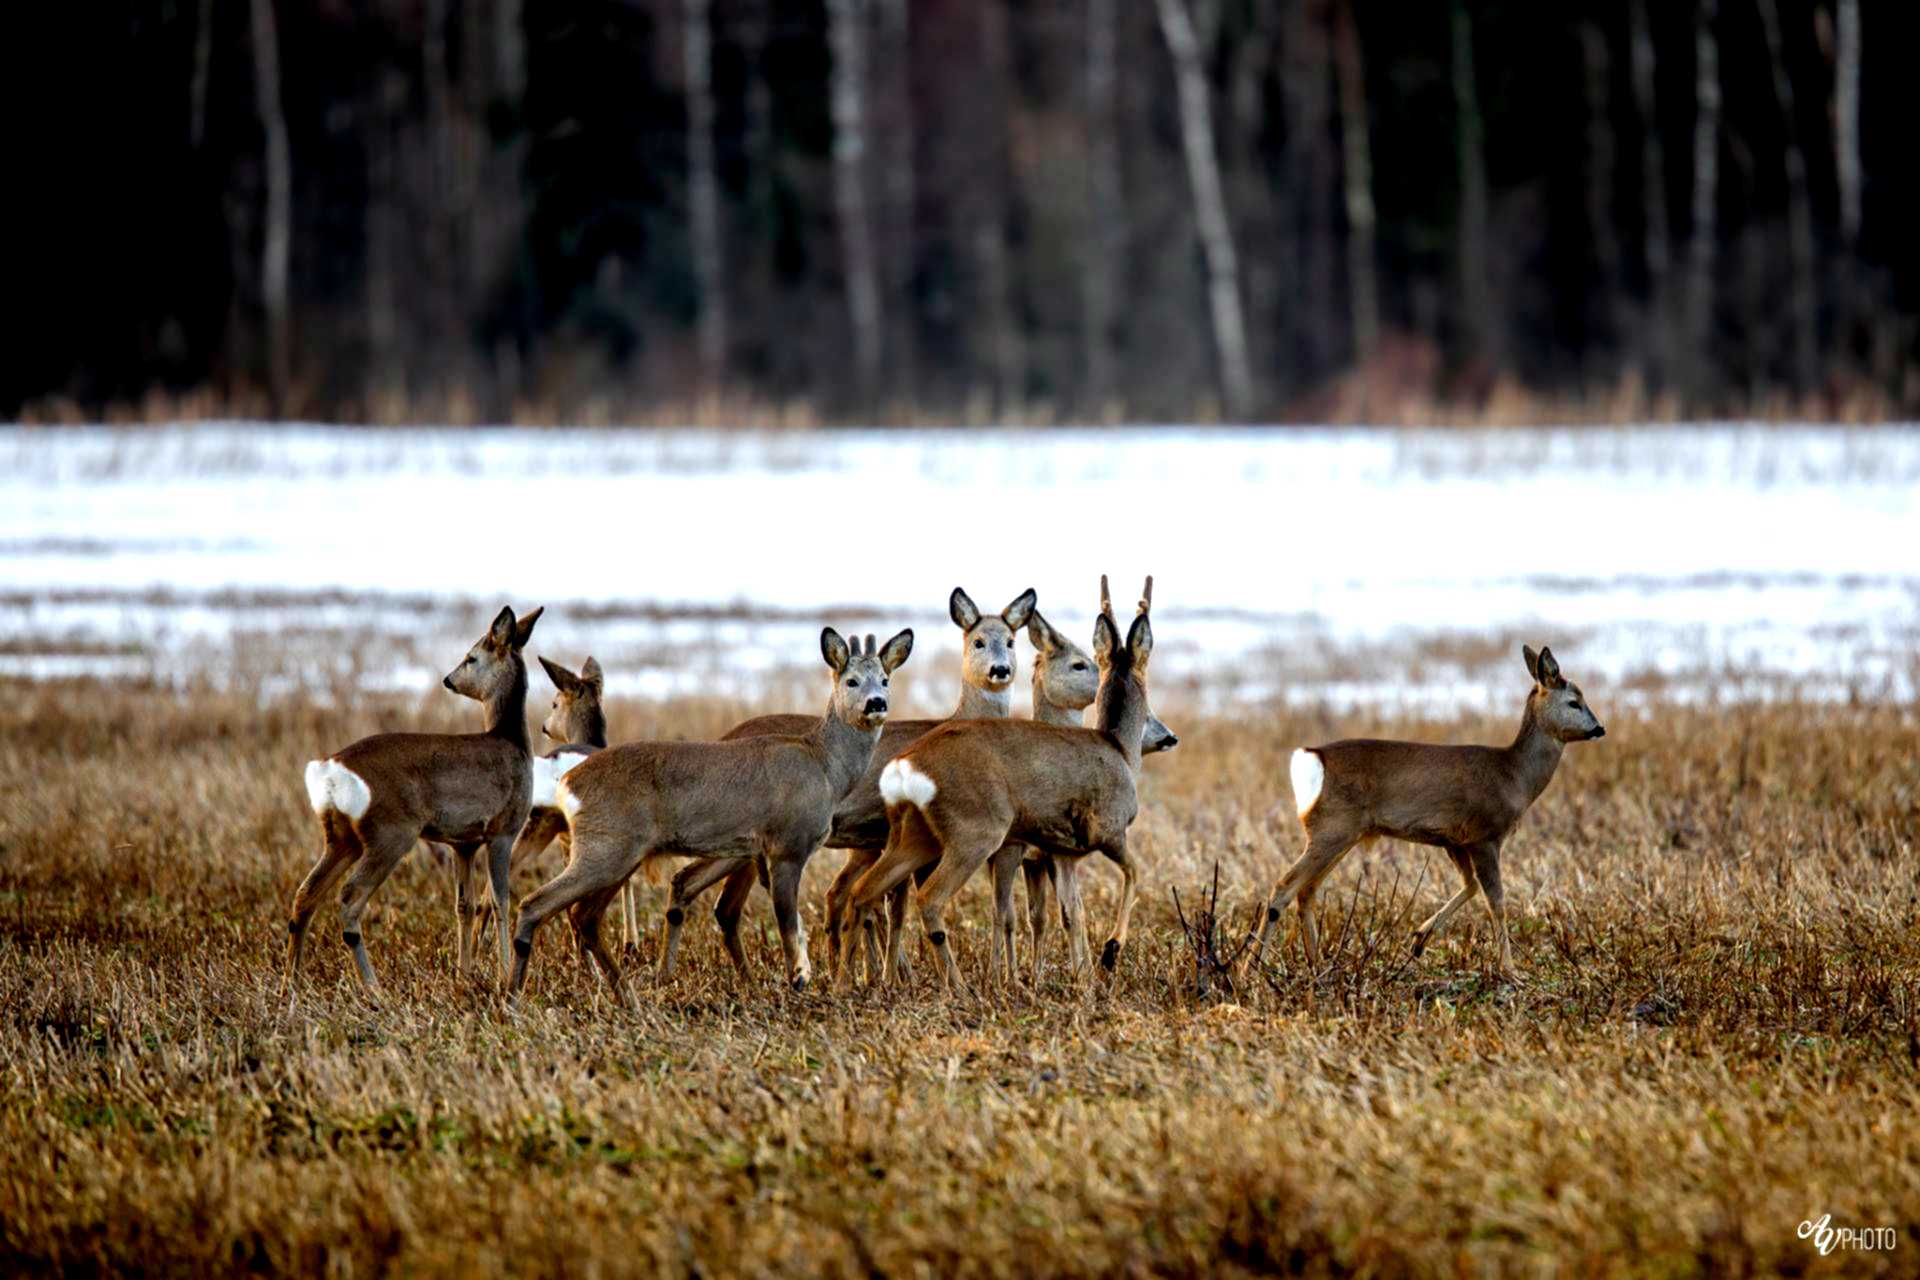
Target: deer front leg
[1129,892]
[858,860]
[499,873]
[1006,863]
[462,867]
[1486,869]
[785,872]
[1463,863]
[1037,870]
[689,883]
[588,915]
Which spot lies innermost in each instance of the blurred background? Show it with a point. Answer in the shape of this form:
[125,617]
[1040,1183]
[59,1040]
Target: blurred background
[771,211]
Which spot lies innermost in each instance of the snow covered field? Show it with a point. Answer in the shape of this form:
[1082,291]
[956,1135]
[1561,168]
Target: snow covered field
[1344,566]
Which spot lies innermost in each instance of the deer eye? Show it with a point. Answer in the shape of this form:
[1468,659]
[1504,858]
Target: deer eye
[853,684]
[884,682]
[1079,666]
[979,644]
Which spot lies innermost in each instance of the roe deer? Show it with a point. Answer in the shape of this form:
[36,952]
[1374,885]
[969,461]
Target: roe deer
[965,790]
[464,790]
[770,797]
[1065,681]
[577,722]
[987,666]
[1462,799]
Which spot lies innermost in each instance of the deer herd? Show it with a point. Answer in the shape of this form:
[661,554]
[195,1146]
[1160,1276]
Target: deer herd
[919,806]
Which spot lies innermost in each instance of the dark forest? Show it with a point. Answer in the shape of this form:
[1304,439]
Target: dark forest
[366,210]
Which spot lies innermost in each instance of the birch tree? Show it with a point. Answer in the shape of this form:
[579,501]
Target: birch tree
[1476,303]
[277,244]
[1801,301]
[1357,156]
[1105,240]
[1703,234]
[1655,252]
[1209,208]
[703,191]
[846,20]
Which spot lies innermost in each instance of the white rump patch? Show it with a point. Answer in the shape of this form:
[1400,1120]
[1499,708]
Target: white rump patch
[547,772]
[1308,777]
[564,800]
[331,785]
[901,783]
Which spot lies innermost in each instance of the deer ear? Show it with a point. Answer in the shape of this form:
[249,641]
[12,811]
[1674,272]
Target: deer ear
[523,630]
[1549,670]
[591,677]
[501,632]
[962,609]
[1106,639]
[1041,633]
[563,680]
[1532,660]
[834,650]
[1016,614]
[893,654]
[1140,641]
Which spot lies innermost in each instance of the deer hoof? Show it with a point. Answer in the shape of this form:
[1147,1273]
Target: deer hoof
[1110,955]
[1419,944]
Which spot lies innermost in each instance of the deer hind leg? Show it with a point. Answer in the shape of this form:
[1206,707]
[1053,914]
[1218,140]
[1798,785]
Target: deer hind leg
[601,861]
[339,846]
[962,855]
[733,905]
[689,882]
[1463,863]
[1486,869]
[1325,845]
[462,902]
[1006,861]
[1073,913]
[1038,870]
[909,844]
[587,916]
[383,854]
[898,962]
[858,860]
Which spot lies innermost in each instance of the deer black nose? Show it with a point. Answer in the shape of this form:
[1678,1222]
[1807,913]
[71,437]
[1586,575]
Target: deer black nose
[1599,731]
[1001,671]
[448,681]
[1171,742]
[876,705]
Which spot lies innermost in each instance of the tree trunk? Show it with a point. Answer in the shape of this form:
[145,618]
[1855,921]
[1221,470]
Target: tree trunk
[1476,292]
[386,357]
[1357,153]
[1309,190]
[202,74]
[505,208]
[1655,252]
[1105,234]
[1005,353]
[703,192]
[1801,300]
[1209,209]
[897,159]
[1846,117]
[1703,235]
[846,21]
[1602,162]
[277,244]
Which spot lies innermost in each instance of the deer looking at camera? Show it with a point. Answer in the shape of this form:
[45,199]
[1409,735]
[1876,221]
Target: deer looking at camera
[465,790]
[770,797]
[987,667]
[960,794]
[577,723]
[1462,799]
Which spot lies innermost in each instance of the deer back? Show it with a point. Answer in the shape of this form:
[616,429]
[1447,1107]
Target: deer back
[449,786]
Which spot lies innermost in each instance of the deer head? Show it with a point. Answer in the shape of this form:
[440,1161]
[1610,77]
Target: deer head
[494,665]
[1063,674]
[860,677]
[1556,703]
[1122,708]
[986,658]
[576,714]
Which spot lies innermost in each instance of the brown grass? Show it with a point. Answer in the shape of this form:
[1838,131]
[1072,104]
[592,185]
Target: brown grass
[1718,1039]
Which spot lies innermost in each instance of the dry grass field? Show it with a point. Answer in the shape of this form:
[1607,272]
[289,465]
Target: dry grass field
[1717,1038]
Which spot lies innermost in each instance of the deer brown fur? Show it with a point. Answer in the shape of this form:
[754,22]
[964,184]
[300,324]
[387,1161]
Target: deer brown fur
[469,791]
[965,790]
[770,797]
[1464,799]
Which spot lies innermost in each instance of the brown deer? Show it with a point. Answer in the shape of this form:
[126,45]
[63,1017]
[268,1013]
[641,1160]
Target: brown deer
[987,666]
[1462,799]
[375,798]
[577,722]
[770,797]
[960,794]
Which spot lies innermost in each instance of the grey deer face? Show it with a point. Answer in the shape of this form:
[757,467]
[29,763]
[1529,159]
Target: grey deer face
[1063,674]
[860,677]
[576,711]
[986,650]
[493,664]
[1557,702]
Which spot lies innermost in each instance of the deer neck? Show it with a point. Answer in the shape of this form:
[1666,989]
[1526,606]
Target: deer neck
[847,751]
[1535,754]
[983,704]
[507,711]
[592,729]
[1121,714]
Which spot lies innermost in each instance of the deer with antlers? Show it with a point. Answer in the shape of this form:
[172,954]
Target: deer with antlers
[770,797]
[1465,800]
[987,666]
[469,791]
[965,790]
